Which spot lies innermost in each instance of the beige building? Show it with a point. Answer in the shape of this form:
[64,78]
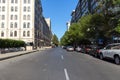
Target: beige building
[48,20]
[21,20]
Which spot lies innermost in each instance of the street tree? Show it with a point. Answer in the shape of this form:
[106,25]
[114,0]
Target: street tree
[77,33]
[55,40]
[84,25]
[100,26]
[117,29]
[91,26]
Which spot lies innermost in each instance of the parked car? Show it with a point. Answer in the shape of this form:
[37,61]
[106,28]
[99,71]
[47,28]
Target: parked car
[70,48]
[78,49]
[64,47]
[87,49]
[95,50]
[111,51]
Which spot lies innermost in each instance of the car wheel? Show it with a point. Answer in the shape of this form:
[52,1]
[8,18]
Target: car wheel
[117,60]
[101,56]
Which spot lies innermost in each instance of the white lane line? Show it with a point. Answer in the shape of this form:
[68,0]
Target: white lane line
[62,57]
[66,74]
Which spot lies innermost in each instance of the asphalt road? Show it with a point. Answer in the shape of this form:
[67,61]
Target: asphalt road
[58,64]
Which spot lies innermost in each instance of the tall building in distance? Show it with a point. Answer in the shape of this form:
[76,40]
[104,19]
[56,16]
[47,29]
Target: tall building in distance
[68,25]
[22,20]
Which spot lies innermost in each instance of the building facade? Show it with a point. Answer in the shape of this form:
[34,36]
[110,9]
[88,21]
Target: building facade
[83,7]
[80,10]
[21,20]
[47,34]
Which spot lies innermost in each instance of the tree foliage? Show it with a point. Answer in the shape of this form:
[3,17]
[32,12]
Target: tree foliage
[89,26]
[77,32]
[93,26]
[84,25]
[55,40]
[116,2]
[117,29]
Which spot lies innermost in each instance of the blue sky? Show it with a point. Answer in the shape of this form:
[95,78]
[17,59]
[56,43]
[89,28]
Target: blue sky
[60,12]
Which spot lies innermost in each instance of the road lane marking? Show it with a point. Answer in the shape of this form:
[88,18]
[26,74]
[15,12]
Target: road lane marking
[66,74]
[62,57]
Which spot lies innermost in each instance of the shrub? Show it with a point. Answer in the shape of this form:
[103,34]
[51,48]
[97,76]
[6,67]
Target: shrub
[9,43]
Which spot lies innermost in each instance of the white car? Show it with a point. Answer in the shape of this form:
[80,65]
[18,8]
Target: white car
[111,51]
[78,49]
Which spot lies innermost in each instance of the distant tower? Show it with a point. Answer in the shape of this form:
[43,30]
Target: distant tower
[68,25]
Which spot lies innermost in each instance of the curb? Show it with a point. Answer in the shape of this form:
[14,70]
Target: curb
[12,56]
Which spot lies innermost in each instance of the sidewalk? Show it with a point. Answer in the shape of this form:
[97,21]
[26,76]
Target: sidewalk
[19,53]
[15,54]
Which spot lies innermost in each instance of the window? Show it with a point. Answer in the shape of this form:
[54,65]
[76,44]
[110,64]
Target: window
[11,17]
[24,17]
[24,33]
[28,17]
[28,1]
[3,8]
[0,8]
[12,9]
[28,9]
[28,33]
[24,9]
[108,47]
[2,25]
[115,47]
[15,24]
[24,25]
[3,1]
[11,34]
[12,1]
[15,33]
[16,1]
[3,17]
[2,34]
[28,25]
[25,1]
[11,25]
[16,17]
[16,8]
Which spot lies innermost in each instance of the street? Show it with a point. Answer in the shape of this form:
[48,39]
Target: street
[58,64]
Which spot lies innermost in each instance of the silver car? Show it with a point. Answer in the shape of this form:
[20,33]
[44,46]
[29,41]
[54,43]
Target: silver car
[70,48]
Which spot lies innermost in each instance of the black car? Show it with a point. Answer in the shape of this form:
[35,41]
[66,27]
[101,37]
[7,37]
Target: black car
[64,47]
[95,51]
